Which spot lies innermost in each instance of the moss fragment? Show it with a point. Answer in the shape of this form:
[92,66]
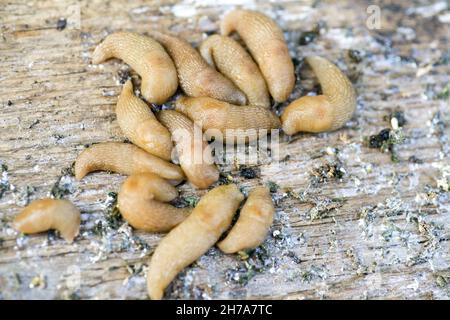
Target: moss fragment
[355,55]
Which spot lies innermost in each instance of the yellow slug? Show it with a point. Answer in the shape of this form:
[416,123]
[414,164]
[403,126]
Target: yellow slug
[193,237]
[45,214]
[254,222]
[197,78]
[147,57]
[141,201]
[124,158]
[194,154]
[232,60]
[265,40]
[325,112]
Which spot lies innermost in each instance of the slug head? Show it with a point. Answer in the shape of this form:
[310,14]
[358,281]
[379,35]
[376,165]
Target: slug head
[149,186]
[162,83]
[308,114]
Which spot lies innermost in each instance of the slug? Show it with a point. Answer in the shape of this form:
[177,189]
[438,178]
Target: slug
[325,112]
[141,201]
[197,78]
[234,122]
[140,125]
[124,158]
[194,154]
[45,214]
[147,57]
[193,237]
[265,40]
[233,61]
[254,222]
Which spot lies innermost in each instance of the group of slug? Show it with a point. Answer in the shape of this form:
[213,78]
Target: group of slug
[226,88]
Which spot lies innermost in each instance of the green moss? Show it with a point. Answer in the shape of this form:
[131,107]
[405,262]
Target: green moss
[355,55]
[386,140]
[249,173]
[251,263]
[444,93]
[192,201]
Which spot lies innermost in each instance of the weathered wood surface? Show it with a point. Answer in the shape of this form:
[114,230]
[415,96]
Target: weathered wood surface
[380,231]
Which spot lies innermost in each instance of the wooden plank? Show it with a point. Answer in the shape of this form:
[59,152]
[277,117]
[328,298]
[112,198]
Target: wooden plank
[379,232]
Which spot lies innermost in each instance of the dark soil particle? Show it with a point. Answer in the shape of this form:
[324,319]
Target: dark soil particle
[252,262]
[376,141]
[414,159]
[183,202]
[61,24]
[307,37]
[297,62]
[69,171]
[113,218]
[249,173]
[123,75]
[9,103]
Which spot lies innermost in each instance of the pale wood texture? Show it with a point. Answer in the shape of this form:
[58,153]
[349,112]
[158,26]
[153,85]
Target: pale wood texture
[379,232]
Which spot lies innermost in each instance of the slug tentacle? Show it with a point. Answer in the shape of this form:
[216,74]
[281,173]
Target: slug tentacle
[147,57]
[326,112]
[194,154]
[232,60]
[197,78]
[140,125]
[265,40]
[234,122]
[193,237]
[124,158]
[141,201]
[45,214]
[254,222]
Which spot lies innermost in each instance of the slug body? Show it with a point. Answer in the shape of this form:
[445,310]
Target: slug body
[254,222]
[265,40]
[194,154]
[325,112]
[232,60]
[124,158]
[197,78]
[45,214]
[140,125]
[141,201]
[231,121]
[193,237]
[147,57]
